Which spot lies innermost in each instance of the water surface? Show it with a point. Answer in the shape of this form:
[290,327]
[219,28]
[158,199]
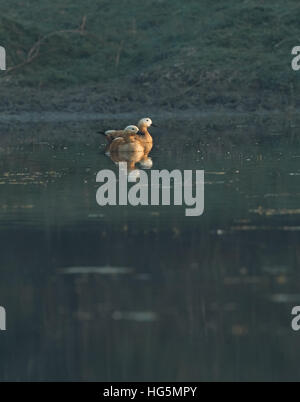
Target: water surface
[146,293]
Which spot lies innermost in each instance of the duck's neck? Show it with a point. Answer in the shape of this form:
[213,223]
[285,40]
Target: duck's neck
[147,135]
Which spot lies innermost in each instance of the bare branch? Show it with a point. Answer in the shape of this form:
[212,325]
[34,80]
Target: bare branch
[35,49]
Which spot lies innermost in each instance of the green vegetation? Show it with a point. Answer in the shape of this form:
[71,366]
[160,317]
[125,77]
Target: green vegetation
[165,53]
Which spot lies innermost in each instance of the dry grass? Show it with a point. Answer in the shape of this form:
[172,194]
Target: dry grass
[168,53]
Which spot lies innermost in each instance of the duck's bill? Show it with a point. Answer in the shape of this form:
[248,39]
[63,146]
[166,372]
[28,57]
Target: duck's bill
[140,133]
[154,125]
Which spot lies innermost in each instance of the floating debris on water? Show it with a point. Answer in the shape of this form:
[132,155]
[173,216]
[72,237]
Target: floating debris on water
[253,228]
[239,330]
[215,173]
[6,206]
[219,232]
[272,212]
[26,178]
[282,279]
[214,182]
[245,280]
[284,298]
[275,270]
[277,195]
[105,270]
[139,316]
[155,213]
[242,221]
[96,216]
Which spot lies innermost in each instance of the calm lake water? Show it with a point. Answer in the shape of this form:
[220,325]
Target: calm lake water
[145,293]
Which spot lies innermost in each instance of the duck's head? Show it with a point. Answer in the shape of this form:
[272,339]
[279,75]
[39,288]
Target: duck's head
[146,122]
[132,130]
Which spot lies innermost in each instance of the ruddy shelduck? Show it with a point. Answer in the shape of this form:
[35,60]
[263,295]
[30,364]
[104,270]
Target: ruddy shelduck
[143,126]
[146,138]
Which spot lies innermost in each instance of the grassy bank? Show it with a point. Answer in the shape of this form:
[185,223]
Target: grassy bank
[110,54]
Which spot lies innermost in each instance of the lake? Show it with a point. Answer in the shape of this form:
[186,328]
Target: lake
[123,293]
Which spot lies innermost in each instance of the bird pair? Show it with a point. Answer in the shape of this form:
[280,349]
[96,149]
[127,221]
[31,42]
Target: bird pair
[131,139]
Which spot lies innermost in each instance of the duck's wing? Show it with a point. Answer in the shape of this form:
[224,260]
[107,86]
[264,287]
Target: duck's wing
[115,143]
[113,134]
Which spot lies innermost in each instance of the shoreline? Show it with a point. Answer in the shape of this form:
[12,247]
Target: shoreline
[175,115]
